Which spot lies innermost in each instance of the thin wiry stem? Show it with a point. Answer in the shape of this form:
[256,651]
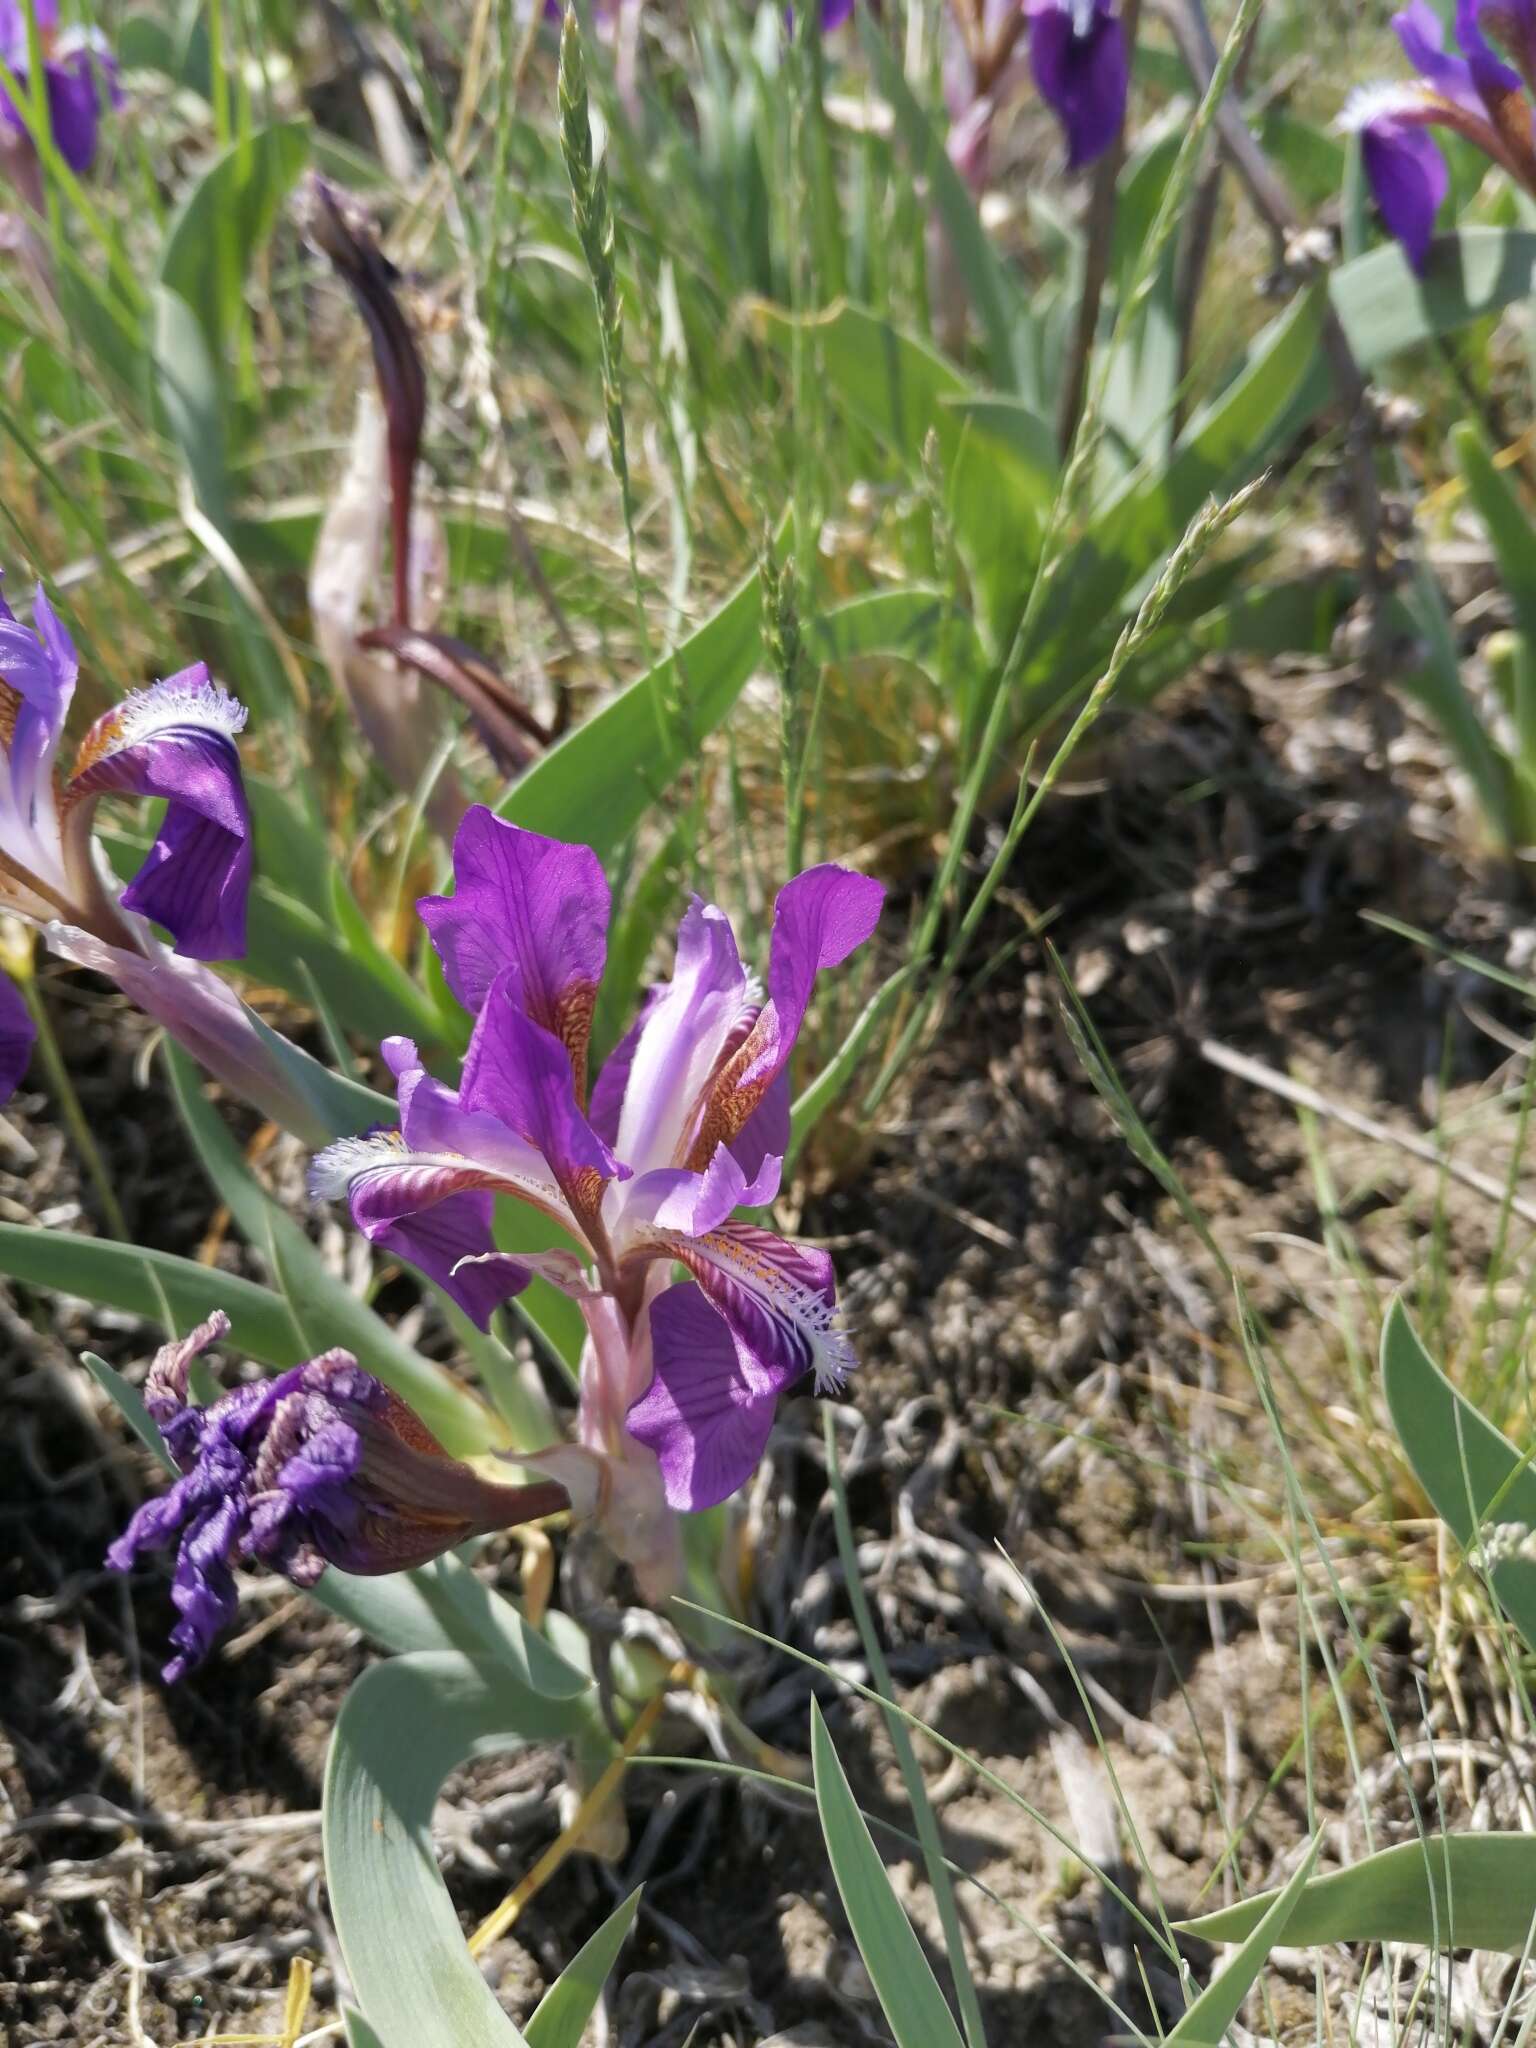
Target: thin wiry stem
[592,208]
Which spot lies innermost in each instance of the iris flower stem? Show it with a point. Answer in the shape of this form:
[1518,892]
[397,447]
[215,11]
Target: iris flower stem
[1101,230]
[63,1090]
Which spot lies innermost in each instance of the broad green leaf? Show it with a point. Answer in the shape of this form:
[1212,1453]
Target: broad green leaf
[1005,322]
[560,2020]
[1144,371]
[363,949]
[290,939]
[1509,527]
[1450,1891]
[188,389]
[404,1726]
[1222,446]
[916,624]
[598,783]
[292,942]
[1471,1471]
[225,218]
[1030,439]
[359,2033]
[130,1405]
[1206,2022]
[446,1606]
[324,1309]
[1385,307]
[901,391]
[909,1994]
[144,1283]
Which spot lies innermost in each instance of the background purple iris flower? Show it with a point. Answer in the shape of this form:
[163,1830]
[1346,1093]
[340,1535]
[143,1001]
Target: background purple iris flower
[688,1122]
[79,74]
[1475,94]
[174,740]
[320,1465]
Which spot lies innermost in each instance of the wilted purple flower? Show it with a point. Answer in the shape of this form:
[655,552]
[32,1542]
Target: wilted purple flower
[1475,94]
[688,1122]
[79,73]
[1081,65]
[321,1465]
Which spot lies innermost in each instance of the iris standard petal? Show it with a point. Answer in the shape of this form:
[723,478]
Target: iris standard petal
[1494,79]
[710,1404]
[818,920]
[17,1033]
[1420,32]
[1081,66]
[530,907]
[177,740]
[687,1027]
[674,1198]
[38,669]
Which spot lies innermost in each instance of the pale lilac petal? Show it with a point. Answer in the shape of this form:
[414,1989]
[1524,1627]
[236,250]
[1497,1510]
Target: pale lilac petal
[41,667]
[15,49]
[687,1028]
[1494,79]
[818,920]
[673,1198]
[1081,64]
[608,1090]
[17,1032]
[532,908]
[710,1404]
[206,1017]
[177,740]
[1423,39]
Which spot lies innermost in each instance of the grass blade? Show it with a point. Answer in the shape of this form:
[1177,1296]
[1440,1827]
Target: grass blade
[907,1989]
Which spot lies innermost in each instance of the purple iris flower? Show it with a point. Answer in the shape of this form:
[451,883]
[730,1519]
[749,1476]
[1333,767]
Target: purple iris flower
[687,1123]
[79,73]
[321,1465]
[1082,69]
[1476,94]
[174,740]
